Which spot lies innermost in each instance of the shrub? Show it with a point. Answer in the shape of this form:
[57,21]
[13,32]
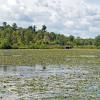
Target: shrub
[15,46]
[5,44]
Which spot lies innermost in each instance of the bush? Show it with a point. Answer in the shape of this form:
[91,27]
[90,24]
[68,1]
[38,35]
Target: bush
[55,47]
[15,46]
[5,44]
[86,47]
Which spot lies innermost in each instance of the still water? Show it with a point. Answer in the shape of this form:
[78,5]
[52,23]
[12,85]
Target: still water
[49,82]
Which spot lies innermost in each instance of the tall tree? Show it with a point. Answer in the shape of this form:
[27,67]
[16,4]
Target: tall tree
[71,38]
[4,24]
[97,41]
[34,28]
[14,26]
[30,27]
[44,28]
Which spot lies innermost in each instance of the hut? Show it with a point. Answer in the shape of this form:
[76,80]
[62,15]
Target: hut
[68,47]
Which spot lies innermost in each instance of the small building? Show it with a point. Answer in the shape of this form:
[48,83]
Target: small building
[68,47]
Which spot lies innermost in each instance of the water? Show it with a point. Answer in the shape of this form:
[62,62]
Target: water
[49,82]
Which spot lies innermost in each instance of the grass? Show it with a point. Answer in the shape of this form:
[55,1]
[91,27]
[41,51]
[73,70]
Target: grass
[51,56]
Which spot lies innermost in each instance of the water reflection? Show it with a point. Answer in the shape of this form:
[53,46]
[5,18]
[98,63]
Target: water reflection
[5,68]
[49,82]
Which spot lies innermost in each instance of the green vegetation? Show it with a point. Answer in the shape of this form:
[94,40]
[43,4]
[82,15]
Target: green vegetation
[50,56]
[30,38]
[50,74]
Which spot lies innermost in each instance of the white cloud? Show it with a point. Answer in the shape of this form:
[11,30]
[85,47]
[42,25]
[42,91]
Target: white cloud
[12,2]
[77,17]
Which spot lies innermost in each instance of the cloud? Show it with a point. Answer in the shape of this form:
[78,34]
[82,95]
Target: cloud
[76,17]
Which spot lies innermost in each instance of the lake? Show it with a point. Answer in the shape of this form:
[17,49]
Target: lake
[50,74]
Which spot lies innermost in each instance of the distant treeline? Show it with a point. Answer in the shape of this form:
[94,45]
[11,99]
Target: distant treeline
[14,37]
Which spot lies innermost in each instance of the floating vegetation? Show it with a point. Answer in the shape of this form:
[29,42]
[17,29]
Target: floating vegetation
[50,75]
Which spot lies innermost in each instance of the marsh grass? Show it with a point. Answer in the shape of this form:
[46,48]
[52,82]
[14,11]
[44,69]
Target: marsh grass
[51,56]
[50,74]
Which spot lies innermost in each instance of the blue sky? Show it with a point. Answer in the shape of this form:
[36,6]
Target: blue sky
[97,2]
[68,17]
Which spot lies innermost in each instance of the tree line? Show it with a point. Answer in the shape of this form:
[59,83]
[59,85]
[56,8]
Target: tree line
[14,37]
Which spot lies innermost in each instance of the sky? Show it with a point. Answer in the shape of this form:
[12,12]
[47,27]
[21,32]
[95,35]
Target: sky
[69,17]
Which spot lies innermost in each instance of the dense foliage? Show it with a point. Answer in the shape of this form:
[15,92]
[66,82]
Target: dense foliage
[17,37]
